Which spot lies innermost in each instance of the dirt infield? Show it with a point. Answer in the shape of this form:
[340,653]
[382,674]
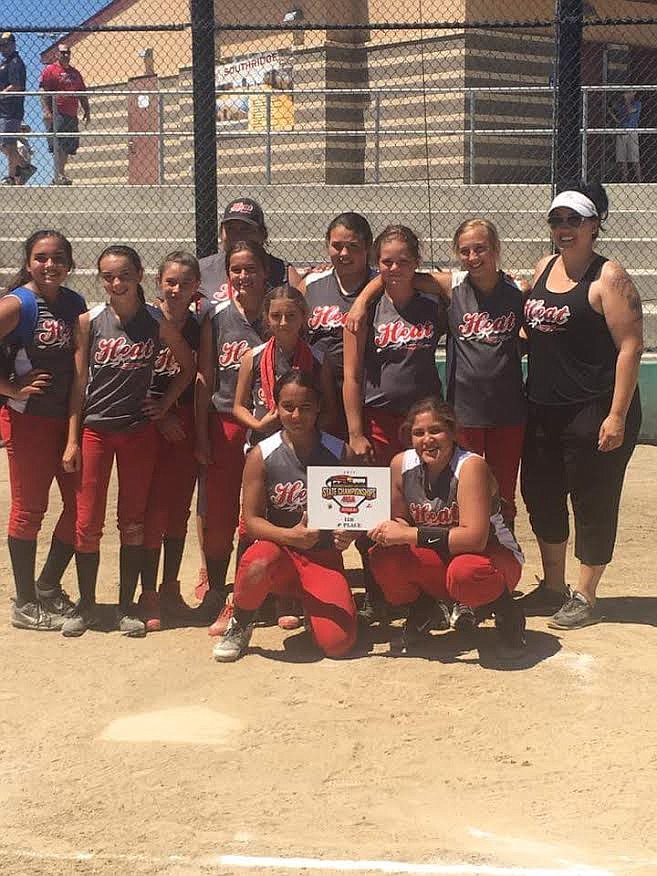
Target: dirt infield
[144,756]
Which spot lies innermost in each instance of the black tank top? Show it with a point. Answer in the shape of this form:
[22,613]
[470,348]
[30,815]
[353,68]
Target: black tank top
[572,356]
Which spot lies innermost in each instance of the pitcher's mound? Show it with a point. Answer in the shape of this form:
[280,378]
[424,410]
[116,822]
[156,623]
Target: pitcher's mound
[193,725]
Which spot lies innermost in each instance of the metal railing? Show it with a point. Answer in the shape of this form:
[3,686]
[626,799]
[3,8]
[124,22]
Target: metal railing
[375,130]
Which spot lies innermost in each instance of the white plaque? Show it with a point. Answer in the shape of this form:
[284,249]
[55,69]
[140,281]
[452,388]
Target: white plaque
[353,497]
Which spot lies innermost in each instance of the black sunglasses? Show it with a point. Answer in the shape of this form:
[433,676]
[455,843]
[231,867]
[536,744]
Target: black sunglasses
[64,53]
[574,220]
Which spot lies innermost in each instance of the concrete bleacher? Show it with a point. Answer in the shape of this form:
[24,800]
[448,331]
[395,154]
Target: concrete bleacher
[156,219]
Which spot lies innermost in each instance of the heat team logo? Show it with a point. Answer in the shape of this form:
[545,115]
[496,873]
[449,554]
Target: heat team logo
[231,353]
[54,333]
[120,353]
[290,496]
[166,364]
[328,316]
[546,319]
[348,492]
[481,327]
[401,334]
[424,514]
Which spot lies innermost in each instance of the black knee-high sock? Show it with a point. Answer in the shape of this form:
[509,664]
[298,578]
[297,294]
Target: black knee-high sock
[59,556]
[363,545]
[173,554]
[243,544]
[23,557]
[149,563]
[217,568]
[87,568]
[130,561]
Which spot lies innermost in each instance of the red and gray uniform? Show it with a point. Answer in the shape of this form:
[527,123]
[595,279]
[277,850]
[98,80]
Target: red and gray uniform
[399,367]
[317,575]
[214,279]
[176,468]
[484,376]
[258,404]
[570,384]
[121,365]
[400,356]
[472,579]
[232,335]
[328,306]
[35,430]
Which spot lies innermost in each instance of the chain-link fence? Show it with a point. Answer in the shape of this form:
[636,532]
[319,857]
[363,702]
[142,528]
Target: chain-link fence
[422,112]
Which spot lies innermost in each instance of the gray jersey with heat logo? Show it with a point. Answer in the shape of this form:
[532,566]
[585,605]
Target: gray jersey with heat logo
[484,375]
[400,353]
[435,502]
[121,364]
[286,480]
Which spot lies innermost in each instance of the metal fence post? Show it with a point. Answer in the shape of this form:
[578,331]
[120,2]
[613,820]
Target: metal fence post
[569,83]
[585,145]
[268,144]
[160,140]
[205,127]
[472,100]
[377,138]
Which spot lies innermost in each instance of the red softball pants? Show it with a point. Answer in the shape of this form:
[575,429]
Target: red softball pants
[404,572]
[223,482]
[34,452]
[172,487]
[316,578]
[135,460]
[382,429]
[501,447]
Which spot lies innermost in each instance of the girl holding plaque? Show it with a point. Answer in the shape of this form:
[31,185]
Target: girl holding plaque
[287,558]
[447,539]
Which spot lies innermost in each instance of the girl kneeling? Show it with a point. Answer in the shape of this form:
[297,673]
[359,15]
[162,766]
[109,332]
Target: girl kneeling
[447,539]
[288,558]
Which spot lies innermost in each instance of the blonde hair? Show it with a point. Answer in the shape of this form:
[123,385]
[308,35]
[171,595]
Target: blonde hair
[470,225]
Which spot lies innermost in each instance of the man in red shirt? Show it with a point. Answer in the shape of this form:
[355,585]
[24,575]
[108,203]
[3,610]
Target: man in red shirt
[60,113]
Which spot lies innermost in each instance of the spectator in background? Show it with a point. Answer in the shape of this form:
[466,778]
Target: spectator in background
[25,169]
[60,114]
[626,112]
[12,79]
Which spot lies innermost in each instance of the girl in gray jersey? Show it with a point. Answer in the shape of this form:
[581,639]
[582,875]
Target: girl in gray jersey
[483,375]
[231,328]
[389,362]
[254,406]
[447,539]
[288,558]
[38,320]
[111,408]
[331,293]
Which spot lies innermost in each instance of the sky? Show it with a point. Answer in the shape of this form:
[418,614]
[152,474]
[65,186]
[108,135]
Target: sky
[48,13]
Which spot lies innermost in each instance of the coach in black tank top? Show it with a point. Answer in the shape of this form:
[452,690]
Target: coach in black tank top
[583,323]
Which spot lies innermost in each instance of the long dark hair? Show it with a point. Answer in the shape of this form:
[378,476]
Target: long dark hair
[256,249]
[120,249]
[595,192]
[23,275]
[354,222]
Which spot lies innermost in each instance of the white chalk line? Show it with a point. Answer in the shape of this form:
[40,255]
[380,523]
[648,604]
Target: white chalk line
[338,865]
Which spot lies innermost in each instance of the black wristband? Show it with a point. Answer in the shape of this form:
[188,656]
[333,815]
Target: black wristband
[435,538]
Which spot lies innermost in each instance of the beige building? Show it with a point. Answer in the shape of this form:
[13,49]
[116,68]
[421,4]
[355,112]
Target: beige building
[389,127]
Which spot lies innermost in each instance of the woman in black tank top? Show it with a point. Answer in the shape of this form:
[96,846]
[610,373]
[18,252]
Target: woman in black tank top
[584,330]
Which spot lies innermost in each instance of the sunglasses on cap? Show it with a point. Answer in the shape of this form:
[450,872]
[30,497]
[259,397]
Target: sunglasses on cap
[573,220]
